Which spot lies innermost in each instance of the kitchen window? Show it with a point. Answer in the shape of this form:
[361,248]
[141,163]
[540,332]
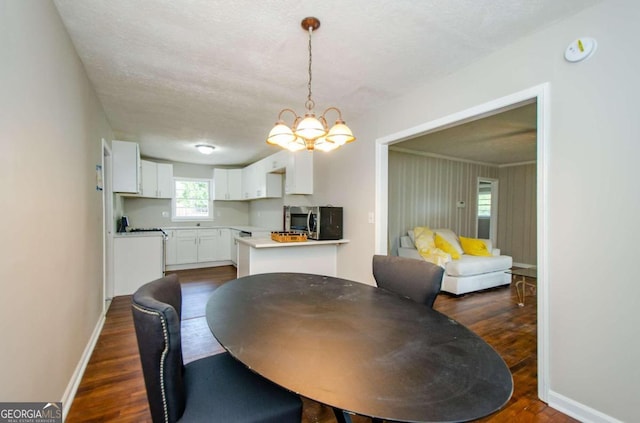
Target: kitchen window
[192,199]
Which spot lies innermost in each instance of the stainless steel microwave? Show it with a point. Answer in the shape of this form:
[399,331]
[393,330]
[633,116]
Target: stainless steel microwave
[317,222]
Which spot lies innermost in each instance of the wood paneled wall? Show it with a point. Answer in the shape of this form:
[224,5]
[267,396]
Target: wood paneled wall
[424,190]
[517,216]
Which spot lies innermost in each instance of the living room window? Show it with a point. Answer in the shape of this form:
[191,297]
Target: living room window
[192,199]
[484,203]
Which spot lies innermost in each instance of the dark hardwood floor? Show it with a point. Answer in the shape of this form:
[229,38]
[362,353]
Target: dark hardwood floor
[112,388]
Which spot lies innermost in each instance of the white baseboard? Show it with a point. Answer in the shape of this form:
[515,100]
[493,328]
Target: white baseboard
[577,410]
[197,265]
[525,265]
[72,387]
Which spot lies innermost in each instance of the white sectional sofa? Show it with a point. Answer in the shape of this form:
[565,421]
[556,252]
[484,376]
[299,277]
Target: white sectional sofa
[468,273]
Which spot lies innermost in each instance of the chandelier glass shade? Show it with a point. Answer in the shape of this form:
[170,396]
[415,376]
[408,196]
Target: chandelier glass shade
[309,131]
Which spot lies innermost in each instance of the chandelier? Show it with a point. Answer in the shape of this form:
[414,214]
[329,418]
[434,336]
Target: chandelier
[310,132]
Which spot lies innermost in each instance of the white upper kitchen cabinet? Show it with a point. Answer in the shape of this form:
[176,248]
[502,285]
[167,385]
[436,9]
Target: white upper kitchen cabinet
[126,167]
[258,183]
[249,182]
[277,161]
[299,173]
[165,180]
[157,179]
[228,184]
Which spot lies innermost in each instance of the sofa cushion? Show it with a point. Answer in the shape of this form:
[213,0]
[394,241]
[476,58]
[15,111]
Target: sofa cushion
[405,242]
[449,236]
[474,247]
[474,265]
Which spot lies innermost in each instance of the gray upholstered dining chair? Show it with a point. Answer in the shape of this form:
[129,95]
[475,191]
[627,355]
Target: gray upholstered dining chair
[418,280]
[213,389]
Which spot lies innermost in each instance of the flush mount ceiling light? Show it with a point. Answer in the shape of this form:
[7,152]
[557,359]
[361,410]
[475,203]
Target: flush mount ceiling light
[205,148]
[310,132]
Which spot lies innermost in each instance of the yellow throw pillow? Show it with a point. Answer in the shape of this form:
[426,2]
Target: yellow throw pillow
[423,238]
[474,247]
[444,245]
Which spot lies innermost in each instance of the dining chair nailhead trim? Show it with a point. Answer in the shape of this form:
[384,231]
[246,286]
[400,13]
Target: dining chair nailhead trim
[162,358]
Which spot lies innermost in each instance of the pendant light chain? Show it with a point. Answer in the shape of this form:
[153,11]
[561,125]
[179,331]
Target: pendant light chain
[310,103]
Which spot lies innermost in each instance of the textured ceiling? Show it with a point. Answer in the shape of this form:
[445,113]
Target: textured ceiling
[501,139]
[174,73]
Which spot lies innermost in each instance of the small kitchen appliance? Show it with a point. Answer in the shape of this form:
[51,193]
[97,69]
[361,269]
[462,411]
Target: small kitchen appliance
[123,224]
[319,223]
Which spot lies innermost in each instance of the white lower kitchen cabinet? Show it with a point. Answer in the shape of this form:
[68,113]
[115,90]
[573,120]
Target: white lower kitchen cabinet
[233,245]
[137,259]
[193,248]
[207,240]
[170,248]
[186,246]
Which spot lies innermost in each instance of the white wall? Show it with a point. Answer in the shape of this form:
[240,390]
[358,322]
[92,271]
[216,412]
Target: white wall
[593,202]
[51,263]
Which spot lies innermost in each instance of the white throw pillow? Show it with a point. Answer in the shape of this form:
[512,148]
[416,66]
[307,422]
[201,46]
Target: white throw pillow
[487,242]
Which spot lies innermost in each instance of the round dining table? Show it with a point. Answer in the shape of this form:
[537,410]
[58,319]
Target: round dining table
[358,349]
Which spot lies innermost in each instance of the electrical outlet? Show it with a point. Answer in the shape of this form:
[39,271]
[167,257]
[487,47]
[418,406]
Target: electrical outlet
[371,217]
[165,214]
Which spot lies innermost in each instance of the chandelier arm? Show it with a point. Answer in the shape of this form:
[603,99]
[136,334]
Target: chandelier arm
[296,122]
[296,117]
[333,108]
[323,121]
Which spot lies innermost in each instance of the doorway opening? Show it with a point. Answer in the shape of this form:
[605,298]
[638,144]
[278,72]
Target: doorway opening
[487,209]
[540,96]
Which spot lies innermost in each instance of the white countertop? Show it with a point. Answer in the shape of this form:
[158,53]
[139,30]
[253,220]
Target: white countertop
[269,243]
[243,228]
[137,234]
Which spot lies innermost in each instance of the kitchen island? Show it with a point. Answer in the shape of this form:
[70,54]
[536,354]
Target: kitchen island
[263,255]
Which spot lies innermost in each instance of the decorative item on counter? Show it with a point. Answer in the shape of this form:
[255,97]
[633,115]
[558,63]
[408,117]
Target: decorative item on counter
[288,237]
